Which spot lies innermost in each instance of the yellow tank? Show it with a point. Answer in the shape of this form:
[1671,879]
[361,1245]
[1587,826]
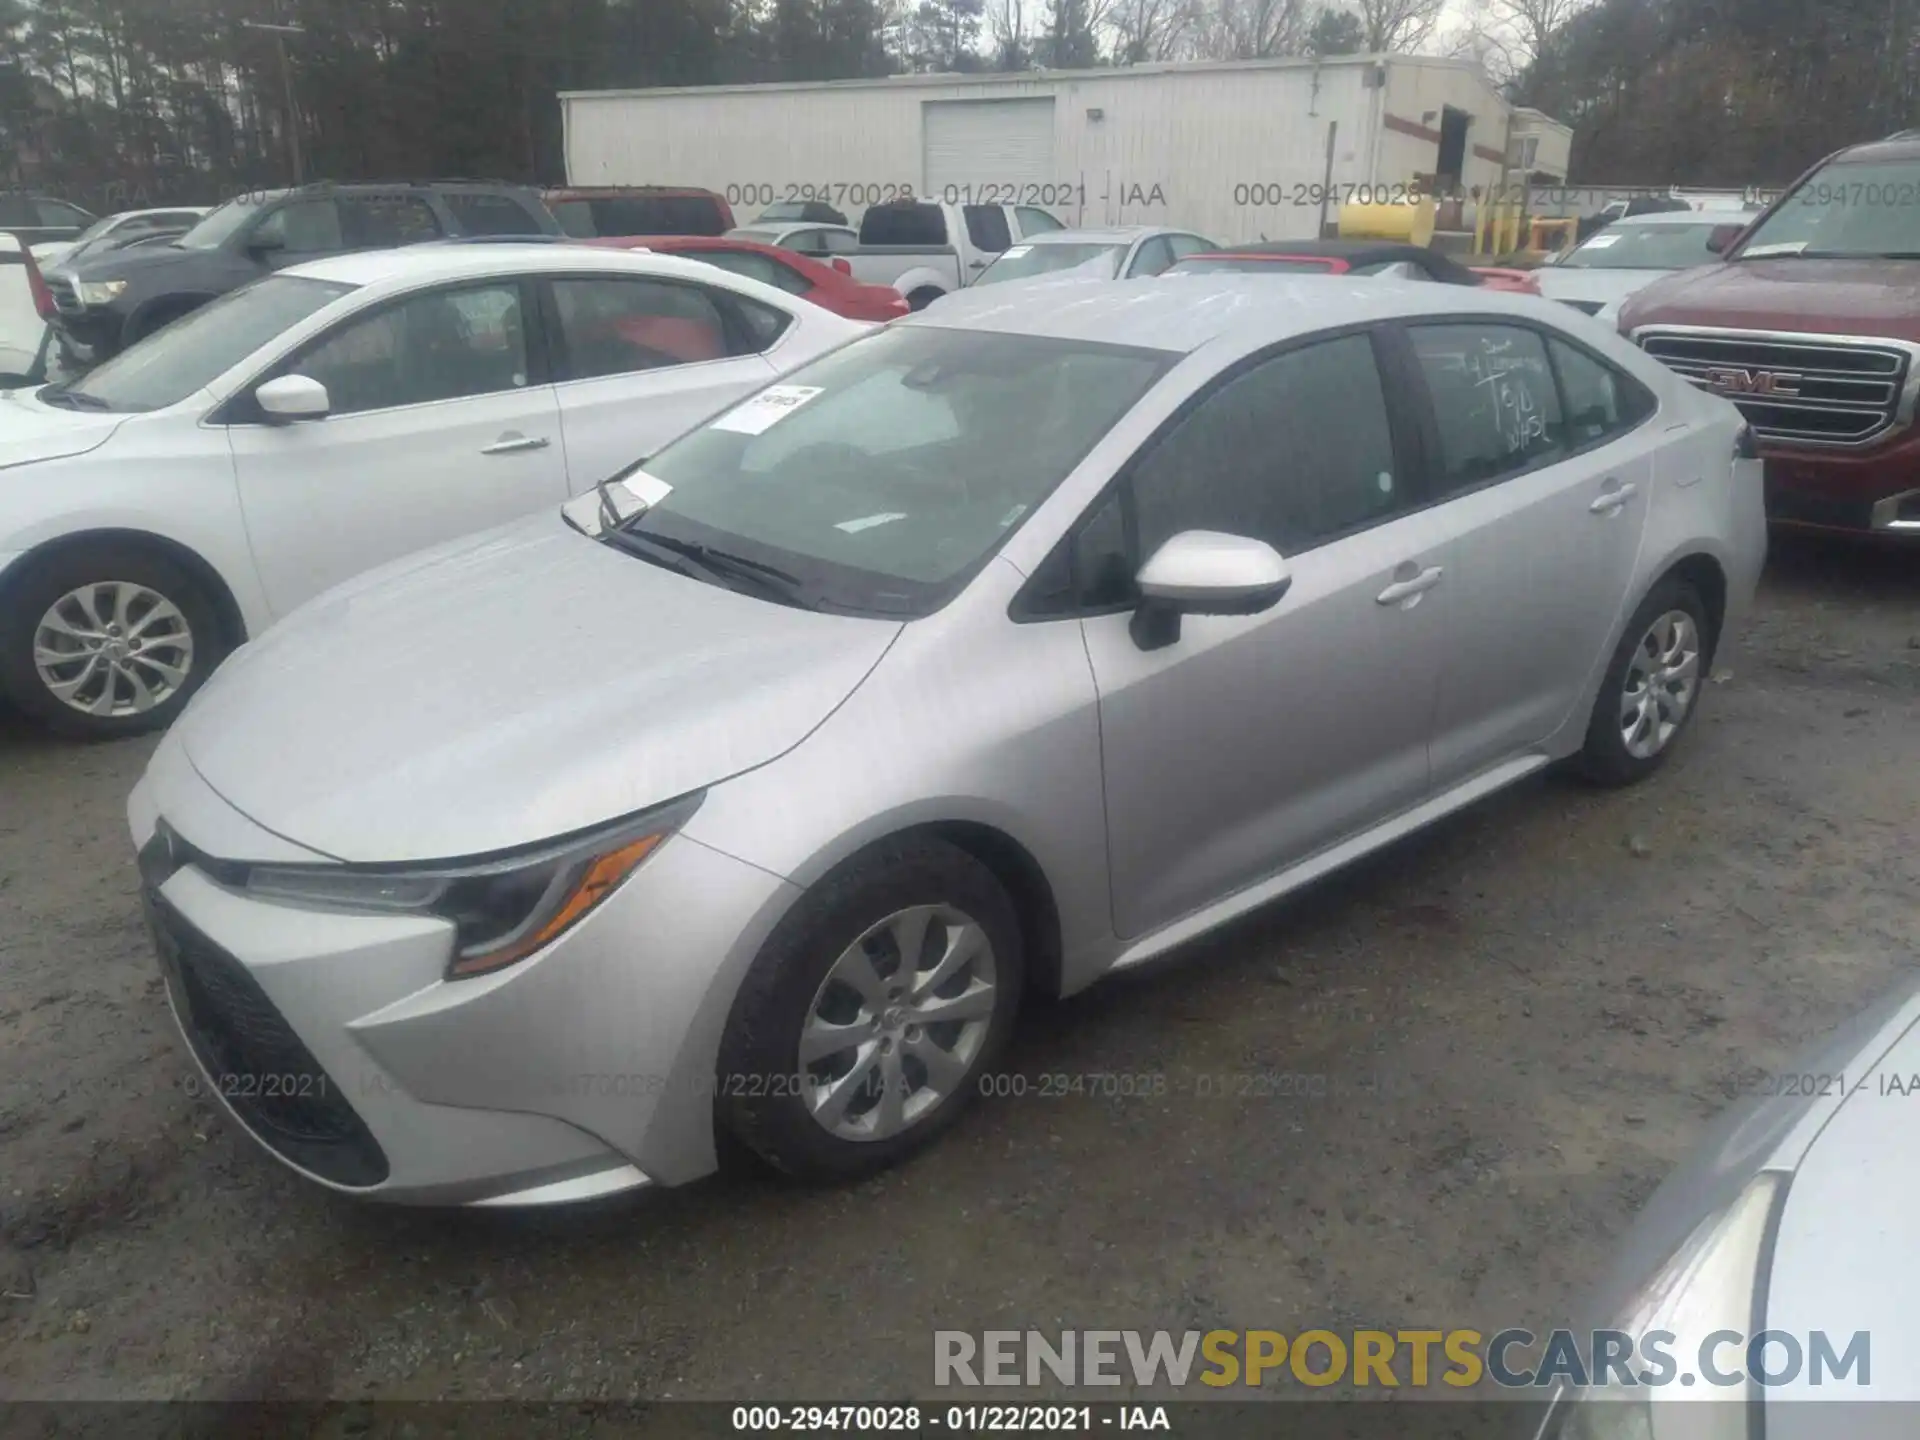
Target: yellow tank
[1411,223]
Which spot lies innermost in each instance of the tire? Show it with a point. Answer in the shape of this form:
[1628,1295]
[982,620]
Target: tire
[923,297]
[1677,611]
[768,1094]
[169,624]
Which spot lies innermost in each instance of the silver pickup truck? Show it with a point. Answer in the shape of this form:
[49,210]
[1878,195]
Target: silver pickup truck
[925,248]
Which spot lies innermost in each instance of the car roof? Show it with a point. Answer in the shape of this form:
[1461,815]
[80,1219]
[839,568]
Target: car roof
[1093,235]
[1904,146]
[1680,217]
[1182,312]
[423,264]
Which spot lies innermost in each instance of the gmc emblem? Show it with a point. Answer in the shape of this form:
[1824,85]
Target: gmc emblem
[1730,381]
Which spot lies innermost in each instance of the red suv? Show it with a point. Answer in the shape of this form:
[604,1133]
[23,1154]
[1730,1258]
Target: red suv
[1810,323]
[827,286]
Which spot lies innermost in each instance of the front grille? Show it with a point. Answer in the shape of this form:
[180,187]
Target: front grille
[256,1062]
[65,298]
[1800,392]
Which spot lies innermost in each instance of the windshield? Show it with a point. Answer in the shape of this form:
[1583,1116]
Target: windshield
[193,352]
[1626,246]
[212,232]
[1023,262]
[1846,210]
[1247,265]
[879,478]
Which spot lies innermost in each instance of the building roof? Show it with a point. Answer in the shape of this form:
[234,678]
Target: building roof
[992,79]
[1180,313]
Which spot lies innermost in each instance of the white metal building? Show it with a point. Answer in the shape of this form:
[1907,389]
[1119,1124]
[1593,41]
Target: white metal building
[1236,150]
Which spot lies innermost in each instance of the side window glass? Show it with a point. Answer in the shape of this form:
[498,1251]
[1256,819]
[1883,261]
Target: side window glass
[1600,402]
[618,327]
[763,268]
[1034,221]
[375,221]
[1494,400]
[1185,245]
[1295,451]
[1153,257]
[987,228]
[442,346]
[1102,566]
[839,242]
[479,213]
[59,215]
[807,242]
[759,325]
[303,227]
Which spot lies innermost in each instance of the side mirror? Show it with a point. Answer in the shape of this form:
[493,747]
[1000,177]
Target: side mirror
[294,397]
[1202,572]
[1720,239]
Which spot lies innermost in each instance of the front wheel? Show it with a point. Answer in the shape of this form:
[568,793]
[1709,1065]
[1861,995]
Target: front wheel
[103,641]
[864,1026]
[1652,687]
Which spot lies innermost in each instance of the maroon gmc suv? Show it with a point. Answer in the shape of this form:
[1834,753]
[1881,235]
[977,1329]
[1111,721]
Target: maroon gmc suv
[1811,325]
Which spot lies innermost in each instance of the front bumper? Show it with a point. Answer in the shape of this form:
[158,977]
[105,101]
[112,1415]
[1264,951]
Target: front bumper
[1875,493]
[336,1042]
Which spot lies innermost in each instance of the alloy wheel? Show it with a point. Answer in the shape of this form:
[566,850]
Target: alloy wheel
[113,648]
[897,1023]
[1663,679]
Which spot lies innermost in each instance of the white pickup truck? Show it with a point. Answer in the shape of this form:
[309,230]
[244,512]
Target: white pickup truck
[925,248]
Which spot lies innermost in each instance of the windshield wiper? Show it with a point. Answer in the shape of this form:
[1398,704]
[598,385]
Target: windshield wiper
[70,399]
[690,557]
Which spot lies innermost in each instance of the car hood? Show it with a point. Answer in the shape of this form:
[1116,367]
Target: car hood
[132,263]
[514,686]
[31,431]
[1853,297]
[1558,282]
[1846,1256]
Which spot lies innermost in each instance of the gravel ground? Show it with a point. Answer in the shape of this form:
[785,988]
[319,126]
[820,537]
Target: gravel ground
[1518,1022]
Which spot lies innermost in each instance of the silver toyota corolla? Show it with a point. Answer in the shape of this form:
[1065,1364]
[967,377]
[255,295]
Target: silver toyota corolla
[1014,644]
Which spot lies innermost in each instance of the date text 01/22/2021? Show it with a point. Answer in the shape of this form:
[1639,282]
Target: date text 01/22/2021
[953,1419]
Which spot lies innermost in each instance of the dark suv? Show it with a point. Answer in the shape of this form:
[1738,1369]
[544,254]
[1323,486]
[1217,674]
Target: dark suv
[38,219]
[105,303]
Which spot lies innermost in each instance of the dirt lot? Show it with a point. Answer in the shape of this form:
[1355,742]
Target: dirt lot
[1521,1019]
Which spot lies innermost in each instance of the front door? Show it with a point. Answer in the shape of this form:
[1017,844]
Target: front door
[1253,742]
[1550,481]
[439,427]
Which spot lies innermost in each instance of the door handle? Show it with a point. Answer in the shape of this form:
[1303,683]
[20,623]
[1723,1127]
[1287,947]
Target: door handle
[1402,591]
[1610,501]
[514,444]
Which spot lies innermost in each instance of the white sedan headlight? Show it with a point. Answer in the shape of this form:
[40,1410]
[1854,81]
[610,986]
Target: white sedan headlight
[1708,1287]
[99,292]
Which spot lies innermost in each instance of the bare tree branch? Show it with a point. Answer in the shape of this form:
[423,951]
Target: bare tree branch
[1398,26]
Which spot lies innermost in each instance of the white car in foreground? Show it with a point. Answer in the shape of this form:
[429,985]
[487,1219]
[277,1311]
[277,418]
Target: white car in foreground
[177,500]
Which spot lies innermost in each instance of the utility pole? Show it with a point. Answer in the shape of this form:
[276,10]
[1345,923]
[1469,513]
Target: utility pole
[280,33]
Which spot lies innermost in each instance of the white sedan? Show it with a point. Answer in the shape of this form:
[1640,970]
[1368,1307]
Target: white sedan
[186,494]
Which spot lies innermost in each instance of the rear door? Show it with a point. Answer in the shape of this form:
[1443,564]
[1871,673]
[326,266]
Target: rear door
[1545,465]
[639,359]
[441,424]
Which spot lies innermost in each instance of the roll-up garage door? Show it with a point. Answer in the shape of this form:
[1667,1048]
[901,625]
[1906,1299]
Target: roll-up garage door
[986,142]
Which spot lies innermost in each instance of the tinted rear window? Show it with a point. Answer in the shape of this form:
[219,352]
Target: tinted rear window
[640,215]
[903,225]
[480,214]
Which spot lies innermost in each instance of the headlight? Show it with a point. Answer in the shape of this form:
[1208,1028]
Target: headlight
[99,292]
[503,909]
[1710,1284]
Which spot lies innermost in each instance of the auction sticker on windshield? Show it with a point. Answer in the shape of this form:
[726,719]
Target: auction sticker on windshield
[766,409]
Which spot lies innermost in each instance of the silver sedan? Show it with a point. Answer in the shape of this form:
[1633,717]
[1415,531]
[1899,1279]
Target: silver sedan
[1013,645]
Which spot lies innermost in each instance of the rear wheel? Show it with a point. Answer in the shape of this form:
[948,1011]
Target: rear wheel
[1652,687]
[862,1029]
[102,641]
